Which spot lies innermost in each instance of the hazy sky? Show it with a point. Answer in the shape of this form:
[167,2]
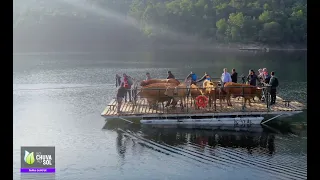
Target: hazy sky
[70,25]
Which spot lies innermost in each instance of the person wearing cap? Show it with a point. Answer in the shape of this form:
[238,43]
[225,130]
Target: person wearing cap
[170,75]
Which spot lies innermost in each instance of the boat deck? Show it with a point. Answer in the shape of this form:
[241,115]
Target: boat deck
[141,109]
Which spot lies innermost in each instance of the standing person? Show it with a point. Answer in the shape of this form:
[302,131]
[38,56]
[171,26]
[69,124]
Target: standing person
[170,75]
[262,81]
[127,80]
[266,76]
[121,93]
[252,78]
[134,90]
[206,76]
[243,79]
[193,78]
[118,80]
[225,77]
[234,76]
[148,76]
[261,75]
[274,82]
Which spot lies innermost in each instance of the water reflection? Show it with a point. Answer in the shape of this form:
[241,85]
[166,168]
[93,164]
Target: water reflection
[213,138]
[121,144]
[32,176]
[254,139]
[271,144]
[226,146]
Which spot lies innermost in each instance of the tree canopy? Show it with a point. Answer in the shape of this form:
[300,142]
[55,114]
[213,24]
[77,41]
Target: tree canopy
[244,21]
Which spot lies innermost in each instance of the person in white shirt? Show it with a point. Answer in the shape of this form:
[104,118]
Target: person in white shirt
[260,75]
[225,77]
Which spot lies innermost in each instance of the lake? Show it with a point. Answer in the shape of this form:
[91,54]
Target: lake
[58,98]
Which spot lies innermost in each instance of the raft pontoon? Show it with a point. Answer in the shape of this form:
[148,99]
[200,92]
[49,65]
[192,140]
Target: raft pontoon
[237,114]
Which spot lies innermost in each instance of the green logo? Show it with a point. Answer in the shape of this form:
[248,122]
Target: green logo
[28,157]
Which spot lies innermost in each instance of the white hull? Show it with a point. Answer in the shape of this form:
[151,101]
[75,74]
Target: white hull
[208,121]
[221,128]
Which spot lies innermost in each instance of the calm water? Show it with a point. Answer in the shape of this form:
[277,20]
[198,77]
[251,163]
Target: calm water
[58,98]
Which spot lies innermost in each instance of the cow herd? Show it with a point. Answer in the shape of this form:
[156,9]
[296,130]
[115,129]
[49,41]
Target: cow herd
[169,92]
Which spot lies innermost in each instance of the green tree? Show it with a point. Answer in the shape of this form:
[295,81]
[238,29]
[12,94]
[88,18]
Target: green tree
[263,21]
[265,16]
[271,32]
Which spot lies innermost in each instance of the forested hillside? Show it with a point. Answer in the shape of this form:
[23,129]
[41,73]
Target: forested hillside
[241,21]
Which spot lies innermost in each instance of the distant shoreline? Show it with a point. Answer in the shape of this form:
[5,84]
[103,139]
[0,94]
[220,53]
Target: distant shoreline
[232,47]
[228,49]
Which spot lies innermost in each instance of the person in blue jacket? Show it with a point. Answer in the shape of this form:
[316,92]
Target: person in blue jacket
[204,77]
[193,77]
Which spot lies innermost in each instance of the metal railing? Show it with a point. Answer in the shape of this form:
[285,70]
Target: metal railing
[241,79]
[184,99]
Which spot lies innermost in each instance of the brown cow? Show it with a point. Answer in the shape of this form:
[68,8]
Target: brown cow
[207,83]
[154,93]
[213,93]
[195,91]
[179,92]
[258,93]
[152,81]
[242,90]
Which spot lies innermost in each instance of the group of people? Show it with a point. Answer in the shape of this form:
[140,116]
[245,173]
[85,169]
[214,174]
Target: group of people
[170,76]
[125,89]
[124,85]
[225,77]
[263,78]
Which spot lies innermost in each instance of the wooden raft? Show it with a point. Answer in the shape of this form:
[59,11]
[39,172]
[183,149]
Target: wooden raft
[141,108]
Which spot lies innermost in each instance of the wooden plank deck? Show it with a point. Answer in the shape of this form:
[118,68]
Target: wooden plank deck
[142,109]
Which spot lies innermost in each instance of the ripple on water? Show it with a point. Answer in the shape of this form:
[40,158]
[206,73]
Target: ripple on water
[225,159]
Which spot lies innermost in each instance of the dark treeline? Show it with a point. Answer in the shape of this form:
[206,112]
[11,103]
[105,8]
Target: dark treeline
[239,21]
